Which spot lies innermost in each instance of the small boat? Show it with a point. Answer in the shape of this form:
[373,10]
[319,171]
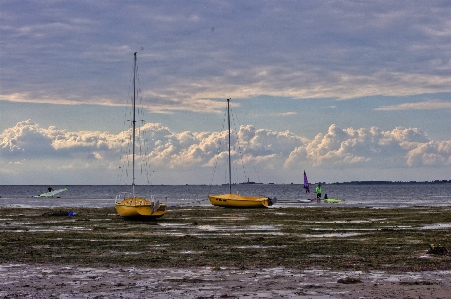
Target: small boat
[128,204]
[232,200]
[240,201]
[51,193]
[333,200]
[132,206]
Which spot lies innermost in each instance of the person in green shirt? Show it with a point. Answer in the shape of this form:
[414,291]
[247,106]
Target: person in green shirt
[318,192]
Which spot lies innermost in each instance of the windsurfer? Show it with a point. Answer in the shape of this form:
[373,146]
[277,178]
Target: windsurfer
[306,184]
[318,192]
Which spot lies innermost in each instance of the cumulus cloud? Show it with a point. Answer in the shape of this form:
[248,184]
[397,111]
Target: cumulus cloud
[273,153]
[430,154]
[372,147]
[27,140]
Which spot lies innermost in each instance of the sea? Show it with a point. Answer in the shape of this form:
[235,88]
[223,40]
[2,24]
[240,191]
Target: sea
[288,195]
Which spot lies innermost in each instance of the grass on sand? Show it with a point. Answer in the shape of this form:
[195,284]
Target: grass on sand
[331,238]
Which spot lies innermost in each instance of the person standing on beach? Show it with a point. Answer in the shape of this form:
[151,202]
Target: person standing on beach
[318,192]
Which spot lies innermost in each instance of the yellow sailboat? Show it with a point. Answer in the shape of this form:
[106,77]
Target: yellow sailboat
[128,204]
[231,200]
[234,200]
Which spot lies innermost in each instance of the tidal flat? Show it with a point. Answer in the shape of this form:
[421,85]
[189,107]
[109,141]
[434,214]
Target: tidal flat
[333,238]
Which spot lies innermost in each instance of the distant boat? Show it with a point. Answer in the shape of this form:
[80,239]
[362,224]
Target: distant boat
[233,200]
[51,193]
[128,204]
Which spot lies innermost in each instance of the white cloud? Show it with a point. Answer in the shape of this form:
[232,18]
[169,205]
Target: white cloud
[27,140]
[347,148]
[28,148]
[286,113]
[430,154]
[426,105]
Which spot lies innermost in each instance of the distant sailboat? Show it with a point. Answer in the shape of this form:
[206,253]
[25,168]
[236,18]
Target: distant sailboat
[306,184]
[127,204]
[232,200]
[52,193]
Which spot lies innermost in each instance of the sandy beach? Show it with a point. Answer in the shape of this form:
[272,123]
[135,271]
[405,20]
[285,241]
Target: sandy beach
[220,253]
[57,281]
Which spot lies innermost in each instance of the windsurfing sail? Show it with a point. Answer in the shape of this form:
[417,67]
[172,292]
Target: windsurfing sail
[52,193]
[306,184]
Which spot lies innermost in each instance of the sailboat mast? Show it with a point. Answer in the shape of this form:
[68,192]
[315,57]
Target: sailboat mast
[230,163]
[134,124]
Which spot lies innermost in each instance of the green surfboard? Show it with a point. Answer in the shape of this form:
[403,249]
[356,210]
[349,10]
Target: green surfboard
[333,200]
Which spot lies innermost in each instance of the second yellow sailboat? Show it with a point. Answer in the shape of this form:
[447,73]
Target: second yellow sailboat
[234,200]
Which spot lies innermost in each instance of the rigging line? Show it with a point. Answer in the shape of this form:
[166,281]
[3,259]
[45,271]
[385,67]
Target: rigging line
[218,150]
[238,147]
[241,149]
[230,168]
[216,156]
[256,172]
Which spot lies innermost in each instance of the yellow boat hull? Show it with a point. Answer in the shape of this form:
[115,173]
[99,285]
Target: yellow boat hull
[239,201]
[140,207]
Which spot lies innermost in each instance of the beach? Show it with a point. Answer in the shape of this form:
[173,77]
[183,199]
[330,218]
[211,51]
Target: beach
[64,281]
[210,252]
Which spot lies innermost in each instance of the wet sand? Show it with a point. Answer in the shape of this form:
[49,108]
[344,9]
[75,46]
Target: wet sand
[222,253]
[57,281]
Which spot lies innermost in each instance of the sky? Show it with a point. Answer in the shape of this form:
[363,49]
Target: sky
[345,90]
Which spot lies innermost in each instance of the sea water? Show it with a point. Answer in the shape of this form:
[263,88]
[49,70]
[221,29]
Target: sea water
[288,195]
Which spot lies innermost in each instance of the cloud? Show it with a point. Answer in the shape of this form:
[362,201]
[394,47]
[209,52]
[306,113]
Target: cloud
[26,140]
[28,146]
[347,148]
[426,105]
[286,113]
[430,154]
[69,53]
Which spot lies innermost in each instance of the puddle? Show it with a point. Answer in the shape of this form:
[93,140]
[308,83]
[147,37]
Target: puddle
[58,229]
[344,229]
[332,235]
[159,245]
[237,218]
[173,225]
[237,228]
[259,247]
[436,226]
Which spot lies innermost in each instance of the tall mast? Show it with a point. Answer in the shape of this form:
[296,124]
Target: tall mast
[230,163]
[134,124]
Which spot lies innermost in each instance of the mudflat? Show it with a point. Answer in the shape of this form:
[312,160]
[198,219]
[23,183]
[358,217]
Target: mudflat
[211,252]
